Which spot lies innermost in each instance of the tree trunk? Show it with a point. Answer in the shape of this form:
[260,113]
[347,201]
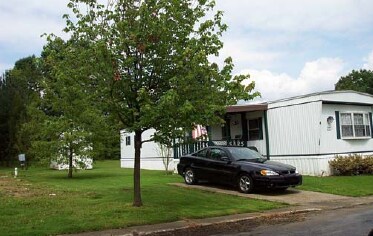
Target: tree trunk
[137,201]
[70,173]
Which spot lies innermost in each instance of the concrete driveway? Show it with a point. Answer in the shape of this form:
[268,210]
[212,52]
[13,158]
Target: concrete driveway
[291,196]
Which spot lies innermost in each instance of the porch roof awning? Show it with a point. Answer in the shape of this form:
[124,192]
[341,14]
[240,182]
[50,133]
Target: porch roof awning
[248,107]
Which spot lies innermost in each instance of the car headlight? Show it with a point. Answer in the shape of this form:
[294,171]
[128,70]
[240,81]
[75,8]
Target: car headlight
[296,172]
[268,172]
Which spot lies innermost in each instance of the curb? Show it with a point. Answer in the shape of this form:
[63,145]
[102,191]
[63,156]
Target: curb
[225,224]
[206,226]
[196,228]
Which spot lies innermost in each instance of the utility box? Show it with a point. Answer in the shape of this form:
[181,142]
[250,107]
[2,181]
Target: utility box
[22,160]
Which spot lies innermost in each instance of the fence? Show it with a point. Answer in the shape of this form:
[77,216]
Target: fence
[191,146]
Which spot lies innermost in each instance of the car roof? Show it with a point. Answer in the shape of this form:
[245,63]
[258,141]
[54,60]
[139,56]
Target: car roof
[223,147]
[226,146]
[229,147]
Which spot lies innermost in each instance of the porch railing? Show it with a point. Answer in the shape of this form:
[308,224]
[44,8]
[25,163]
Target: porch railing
[184,148]
[181,149]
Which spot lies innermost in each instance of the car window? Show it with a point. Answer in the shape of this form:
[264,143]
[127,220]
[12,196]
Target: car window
[240,153]
[201,153]
[217,154]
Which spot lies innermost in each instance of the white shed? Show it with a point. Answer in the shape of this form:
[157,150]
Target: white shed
[150,152]
[305,131]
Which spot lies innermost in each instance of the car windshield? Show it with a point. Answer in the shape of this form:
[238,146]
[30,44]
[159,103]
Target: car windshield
[244,153]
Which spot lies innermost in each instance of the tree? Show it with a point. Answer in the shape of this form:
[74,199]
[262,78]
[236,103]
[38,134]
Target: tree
[361,80]
[152,65]
[69,120]
[61,112]
[164,151]
[4,114]
[20,86]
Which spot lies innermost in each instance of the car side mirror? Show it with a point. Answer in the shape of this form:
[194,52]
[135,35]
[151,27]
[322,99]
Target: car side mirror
[226,159]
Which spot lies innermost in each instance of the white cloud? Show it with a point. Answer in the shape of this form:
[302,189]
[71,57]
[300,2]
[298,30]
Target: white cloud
[245,55]
[4,67]
[281,35]
[316,76]
[295,15]
[368,61]
[22,24]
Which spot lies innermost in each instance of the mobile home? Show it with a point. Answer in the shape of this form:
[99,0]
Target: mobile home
[305,131]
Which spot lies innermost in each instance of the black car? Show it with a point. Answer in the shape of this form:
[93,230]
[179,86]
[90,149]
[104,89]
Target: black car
[238,166]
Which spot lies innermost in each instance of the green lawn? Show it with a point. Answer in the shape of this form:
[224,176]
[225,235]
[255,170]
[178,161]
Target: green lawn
[45,202]
[355,186]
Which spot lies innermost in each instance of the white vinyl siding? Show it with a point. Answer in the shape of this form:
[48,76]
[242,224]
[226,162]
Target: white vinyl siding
[330,142]
[295,130]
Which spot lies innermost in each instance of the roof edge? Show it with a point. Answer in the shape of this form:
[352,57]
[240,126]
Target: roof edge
[248,107]
[318,94]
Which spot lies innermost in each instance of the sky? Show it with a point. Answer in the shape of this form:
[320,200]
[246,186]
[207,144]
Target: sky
[289,47]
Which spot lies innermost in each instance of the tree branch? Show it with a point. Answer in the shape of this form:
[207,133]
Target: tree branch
[147,141]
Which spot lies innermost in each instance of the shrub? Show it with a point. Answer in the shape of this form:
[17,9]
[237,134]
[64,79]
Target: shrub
[353,164]
[367,165]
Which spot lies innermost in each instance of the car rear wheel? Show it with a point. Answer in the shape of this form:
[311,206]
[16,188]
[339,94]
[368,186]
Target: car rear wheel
[245,183]
[189,176]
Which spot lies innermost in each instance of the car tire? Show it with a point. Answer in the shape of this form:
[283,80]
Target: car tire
[189,176]
[245,183]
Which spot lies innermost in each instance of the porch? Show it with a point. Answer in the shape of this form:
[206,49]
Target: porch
[181,149]
[245,125]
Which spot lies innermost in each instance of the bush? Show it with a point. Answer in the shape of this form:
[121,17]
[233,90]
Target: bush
[353,164]
[367,165]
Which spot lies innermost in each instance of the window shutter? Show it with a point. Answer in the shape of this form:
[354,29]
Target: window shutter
[338,127]
[260,128]
[371,124]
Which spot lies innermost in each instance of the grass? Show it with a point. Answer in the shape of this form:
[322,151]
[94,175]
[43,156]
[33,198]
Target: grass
[44,202]
[354,186]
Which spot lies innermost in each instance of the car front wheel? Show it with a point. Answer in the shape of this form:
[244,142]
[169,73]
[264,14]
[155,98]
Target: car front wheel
[189,176]
[245,183]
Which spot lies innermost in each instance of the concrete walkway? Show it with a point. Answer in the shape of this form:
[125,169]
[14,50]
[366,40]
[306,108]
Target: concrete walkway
[301,202]
[291,196]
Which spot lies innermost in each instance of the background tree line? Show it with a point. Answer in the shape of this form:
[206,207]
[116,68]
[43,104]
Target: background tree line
[44,111]
[22,87]
[357,80]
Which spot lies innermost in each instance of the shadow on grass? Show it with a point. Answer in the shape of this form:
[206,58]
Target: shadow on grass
[262,191]
[86,175]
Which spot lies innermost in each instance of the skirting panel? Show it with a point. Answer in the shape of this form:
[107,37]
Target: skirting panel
[155,163]
[310,165]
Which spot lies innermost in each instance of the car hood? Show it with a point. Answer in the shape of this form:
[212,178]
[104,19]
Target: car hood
[273,165]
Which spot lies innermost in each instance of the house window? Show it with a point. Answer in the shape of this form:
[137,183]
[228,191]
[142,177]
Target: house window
[128,140]
[355,125]
[255,129]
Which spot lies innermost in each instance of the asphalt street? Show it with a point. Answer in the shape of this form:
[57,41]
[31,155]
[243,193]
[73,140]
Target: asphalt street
[341,222]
